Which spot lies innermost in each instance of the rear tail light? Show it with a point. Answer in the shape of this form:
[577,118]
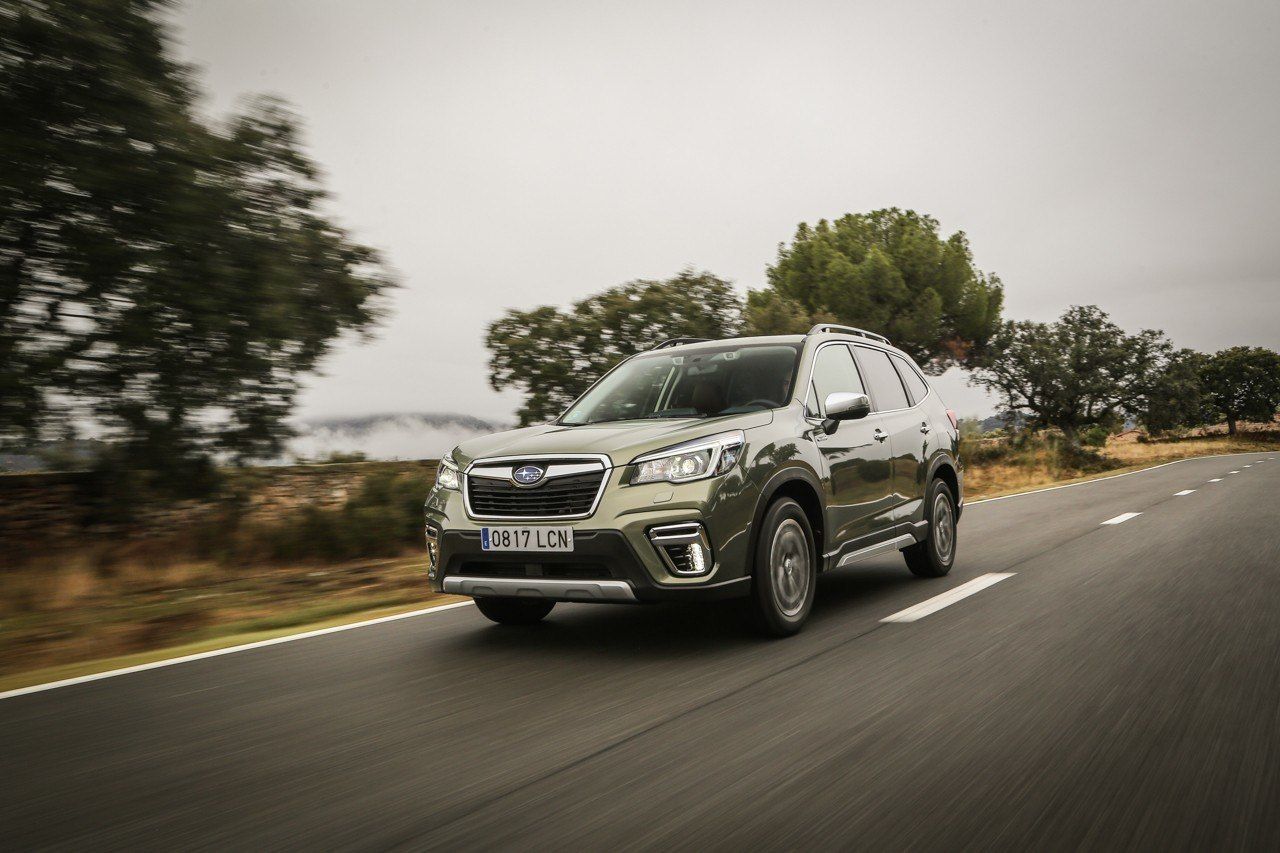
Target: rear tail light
[951,416]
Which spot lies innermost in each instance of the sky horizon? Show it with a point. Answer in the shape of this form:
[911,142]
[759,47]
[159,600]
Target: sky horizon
[512,155]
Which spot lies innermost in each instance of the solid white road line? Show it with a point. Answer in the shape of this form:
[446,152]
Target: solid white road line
[67,682]
[1122,518]
[1183,492]
[946,599]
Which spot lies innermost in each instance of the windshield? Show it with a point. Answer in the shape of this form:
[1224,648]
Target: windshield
[702,384]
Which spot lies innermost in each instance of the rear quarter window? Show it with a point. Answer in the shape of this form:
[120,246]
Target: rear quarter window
[914,381]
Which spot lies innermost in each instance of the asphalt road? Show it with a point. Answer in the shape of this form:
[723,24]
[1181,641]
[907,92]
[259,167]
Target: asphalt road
[1121,689]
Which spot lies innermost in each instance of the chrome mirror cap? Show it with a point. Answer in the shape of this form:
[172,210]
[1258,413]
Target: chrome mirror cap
[843,406]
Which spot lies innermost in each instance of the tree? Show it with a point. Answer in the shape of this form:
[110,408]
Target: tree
[1077,372]
[1175,396]
[552,356]
[162,278]
[888,271]
[1243,384]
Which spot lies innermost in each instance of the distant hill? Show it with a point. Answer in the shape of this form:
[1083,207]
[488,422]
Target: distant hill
[404,435]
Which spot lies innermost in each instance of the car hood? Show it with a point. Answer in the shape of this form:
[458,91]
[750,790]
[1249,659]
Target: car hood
[621,441]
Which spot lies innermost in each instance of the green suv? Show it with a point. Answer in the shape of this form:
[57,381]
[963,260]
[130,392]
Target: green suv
[704,470]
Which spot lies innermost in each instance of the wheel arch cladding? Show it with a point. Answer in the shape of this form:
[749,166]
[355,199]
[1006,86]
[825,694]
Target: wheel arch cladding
[946,472]
[801,487]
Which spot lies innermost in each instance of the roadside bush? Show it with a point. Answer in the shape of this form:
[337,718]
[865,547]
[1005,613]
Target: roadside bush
[1095,436]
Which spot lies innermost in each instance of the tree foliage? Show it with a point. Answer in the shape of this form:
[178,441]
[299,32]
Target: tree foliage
[889,271]
[160,277]
[1174,398]
[1243,384]
[552,355]
[1077,372]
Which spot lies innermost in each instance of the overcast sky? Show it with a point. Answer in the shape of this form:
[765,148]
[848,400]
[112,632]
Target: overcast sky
[523,153]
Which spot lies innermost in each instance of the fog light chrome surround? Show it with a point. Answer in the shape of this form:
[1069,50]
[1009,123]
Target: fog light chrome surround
[684,548]
[433,549]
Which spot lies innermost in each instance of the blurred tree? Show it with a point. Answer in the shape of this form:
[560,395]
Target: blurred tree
[1080,371]
[888,271]
[163,278]
[1243,384]
[1175,396]
[552,356]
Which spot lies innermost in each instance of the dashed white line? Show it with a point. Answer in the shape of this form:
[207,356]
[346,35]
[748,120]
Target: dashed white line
[1183,492]
[946,599]
[1216,480]
[1248,466]
[1122,518]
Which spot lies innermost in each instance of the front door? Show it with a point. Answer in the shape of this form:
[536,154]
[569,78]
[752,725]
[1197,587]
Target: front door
[856,456]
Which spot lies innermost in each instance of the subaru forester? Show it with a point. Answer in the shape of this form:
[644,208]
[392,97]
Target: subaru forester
[704,470]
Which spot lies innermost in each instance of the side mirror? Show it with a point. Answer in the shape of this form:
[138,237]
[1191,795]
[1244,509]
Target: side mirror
[842,406]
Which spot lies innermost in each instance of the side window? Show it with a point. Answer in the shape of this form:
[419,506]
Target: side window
[887,392]
[833,370]
[915,384]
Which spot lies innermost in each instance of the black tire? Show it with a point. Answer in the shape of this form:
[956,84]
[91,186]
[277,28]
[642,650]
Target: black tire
[786,570]
[514,611]
[935,556]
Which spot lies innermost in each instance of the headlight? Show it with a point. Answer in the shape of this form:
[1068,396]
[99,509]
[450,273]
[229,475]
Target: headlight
[693,460]
[447,475]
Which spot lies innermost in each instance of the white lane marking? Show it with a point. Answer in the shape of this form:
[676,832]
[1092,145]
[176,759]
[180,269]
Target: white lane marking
[1216,480]
[142,667]
[1248,466]
[1233,472]
[946,599]
[1122,518]
[1183,492]
[1099,479]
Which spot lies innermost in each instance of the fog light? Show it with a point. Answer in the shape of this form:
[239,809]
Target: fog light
[433,550]
[684,548]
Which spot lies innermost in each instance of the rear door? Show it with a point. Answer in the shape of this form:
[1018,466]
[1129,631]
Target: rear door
[857,462]
[901,421]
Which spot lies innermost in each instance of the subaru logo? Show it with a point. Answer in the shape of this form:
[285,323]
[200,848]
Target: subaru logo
[527,475]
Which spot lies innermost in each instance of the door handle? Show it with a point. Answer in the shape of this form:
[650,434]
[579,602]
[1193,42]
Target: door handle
[880,435]
[924,428]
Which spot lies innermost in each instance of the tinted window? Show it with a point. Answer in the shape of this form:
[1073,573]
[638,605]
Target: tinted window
[886,388]
[833,371]
[915,384]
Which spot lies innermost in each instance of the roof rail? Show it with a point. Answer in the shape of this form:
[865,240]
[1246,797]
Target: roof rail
[675,342]
[848,330]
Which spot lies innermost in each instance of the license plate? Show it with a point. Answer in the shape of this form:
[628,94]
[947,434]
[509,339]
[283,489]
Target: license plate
[526,538]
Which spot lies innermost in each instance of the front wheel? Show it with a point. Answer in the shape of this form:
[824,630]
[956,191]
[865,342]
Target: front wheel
[514,611]
[934,557]
[786,570]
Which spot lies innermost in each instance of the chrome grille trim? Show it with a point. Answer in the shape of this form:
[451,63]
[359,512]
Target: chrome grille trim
[574,465]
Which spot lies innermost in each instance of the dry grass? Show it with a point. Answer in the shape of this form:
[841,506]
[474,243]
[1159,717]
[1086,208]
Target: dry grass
[55,615]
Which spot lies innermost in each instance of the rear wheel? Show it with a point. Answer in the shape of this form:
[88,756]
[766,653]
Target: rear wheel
[934,557]
[514,611]
[786,570]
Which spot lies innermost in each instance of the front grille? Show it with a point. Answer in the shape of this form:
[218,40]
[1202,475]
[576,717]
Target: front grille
[553,498]
[551,571]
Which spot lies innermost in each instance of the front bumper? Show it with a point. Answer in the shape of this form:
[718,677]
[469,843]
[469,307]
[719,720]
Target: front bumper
[603,567]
